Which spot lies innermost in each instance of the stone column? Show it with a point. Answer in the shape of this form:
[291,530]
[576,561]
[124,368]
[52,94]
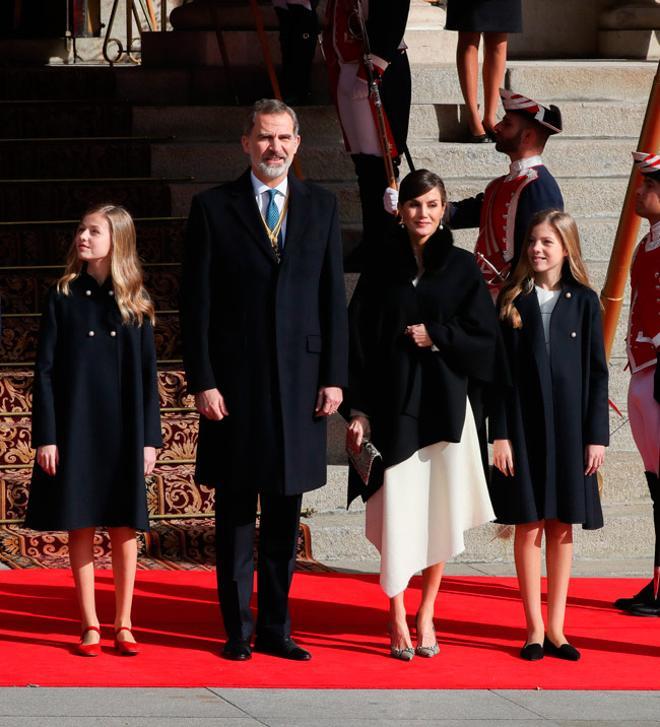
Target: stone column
[630,29]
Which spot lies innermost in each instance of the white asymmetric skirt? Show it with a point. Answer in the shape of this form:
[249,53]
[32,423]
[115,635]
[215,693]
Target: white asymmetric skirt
[419,515]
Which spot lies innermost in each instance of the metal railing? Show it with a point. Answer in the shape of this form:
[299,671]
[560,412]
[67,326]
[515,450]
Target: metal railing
[142,13]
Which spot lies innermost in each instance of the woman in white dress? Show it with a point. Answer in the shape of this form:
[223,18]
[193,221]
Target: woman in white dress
[422,324]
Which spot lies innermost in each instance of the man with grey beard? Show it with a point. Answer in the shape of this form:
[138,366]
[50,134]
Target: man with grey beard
[263,314]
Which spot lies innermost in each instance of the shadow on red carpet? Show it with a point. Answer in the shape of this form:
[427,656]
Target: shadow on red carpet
[341,618]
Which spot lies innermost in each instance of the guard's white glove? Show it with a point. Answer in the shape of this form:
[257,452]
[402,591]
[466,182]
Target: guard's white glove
[391,201]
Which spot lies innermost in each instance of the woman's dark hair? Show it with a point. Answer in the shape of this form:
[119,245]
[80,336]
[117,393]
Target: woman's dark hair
[420,182]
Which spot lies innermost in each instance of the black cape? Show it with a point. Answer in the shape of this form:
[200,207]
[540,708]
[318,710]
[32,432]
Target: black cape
[557,406]
[417,397]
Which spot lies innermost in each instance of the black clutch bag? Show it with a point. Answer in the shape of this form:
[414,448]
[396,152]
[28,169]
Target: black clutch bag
[363,461]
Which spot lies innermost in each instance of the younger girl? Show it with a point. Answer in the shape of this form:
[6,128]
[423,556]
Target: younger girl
[551,429]
[96,418]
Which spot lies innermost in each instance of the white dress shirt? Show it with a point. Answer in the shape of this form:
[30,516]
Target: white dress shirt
[262,196]
[547,302]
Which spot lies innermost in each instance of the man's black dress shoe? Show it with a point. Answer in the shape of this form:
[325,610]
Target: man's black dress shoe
[652,608]
[286,648]
[236,650]
[643,598]
[531,652]
[565,651]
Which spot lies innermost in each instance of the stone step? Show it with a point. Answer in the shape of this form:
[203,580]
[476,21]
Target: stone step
[63,118]
[46,242]
[23,291]
[585,197]
[200,48]
[204,85]
[596,238]
[446,122]
[628,533]
[546,81]
[137,84]
[323,155]
[41,199]
[225,123]
[79,158]
[628,81]
[583,79]
[57,82]
[568,158]
[440,121]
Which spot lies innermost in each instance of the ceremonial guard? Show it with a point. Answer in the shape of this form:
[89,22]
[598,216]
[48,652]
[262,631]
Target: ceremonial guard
[364,41]
[299,29]
[504,210]
[643,342]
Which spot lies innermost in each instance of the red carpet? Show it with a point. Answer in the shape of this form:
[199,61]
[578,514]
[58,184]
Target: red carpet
[341,618]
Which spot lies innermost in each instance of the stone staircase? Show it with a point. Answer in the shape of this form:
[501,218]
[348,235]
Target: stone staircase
[603,104]
[55,160]
[152,137]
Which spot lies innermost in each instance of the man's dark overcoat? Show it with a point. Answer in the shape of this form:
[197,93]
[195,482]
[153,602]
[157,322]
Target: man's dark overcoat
[267,335]
[557,406]
[96,398]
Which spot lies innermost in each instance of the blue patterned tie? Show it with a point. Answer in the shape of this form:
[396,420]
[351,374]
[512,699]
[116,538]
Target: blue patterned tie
[272,213]
[273,216]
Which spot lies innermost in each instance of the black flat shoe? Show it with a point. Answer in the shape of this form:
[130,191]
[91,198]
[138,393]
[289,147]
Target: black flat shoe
[479,139]
[284,648]
[531,652]
[565,651]
[643,598]
[236,650]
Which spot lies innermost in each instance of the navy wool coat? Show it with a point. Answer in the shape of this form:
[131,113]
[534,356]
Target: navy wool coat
[96,398]
[267,335]
[558,404]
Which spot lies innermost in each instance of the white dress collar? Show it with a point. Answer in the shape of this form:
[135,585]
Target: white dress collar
[259,187]
[520,166]
[653,240]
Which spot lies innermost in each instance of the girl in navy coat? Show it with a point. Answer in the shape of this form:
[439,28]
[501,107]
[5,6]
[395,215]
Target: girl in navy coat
[96,416]
[551,428]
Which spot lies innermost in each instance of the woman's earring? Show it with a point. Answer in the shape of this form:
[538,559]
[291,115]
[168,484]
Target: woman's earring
[441,226]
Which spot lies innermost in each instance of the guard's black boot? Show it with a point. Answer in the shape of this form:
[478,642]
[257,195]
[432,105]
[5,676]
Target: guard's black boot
[298,41]
[643,598]
[654,488]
